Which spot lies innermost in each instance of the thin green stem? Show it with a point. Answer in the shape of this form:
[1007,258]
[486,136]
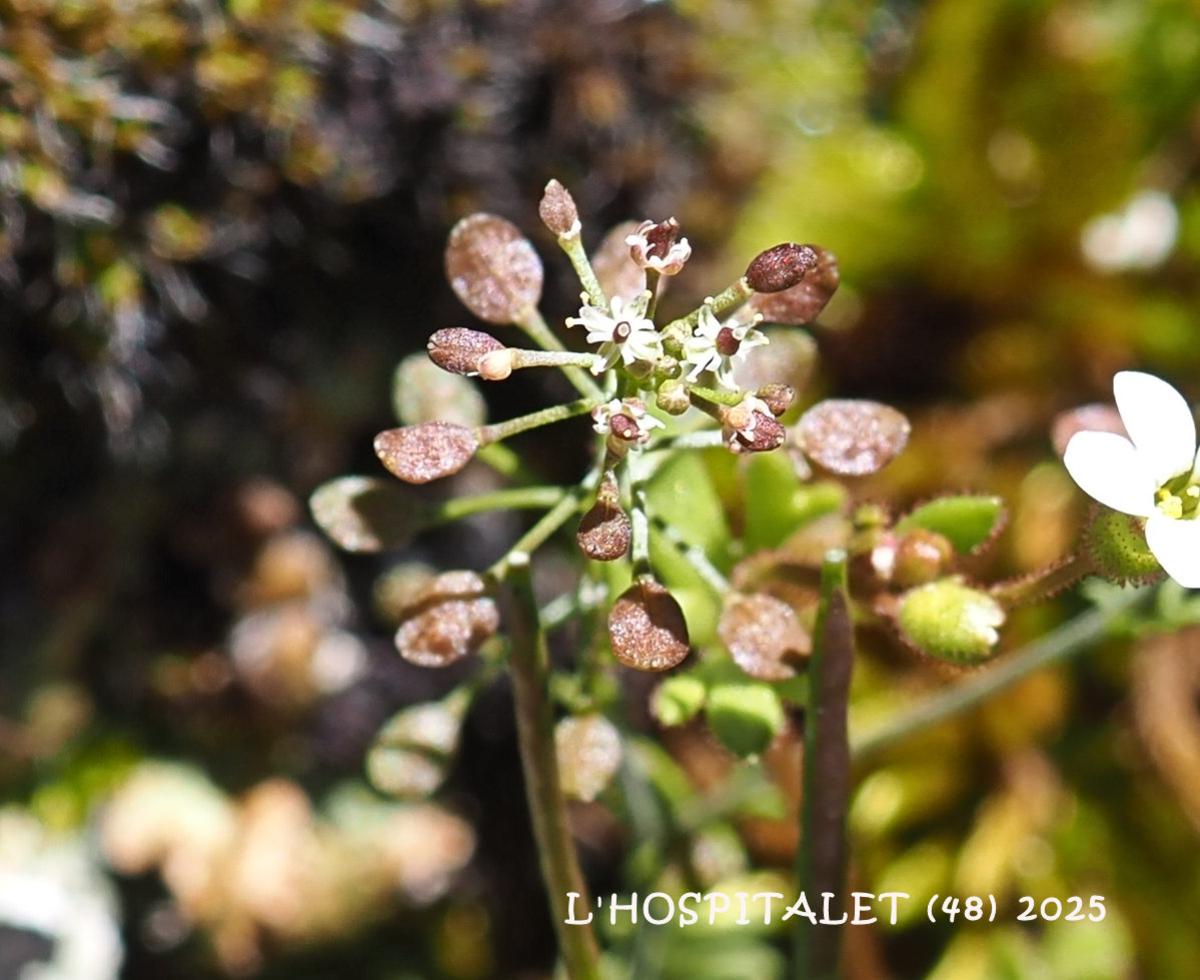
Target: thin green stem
[712,575]
[639,544]
[537,535]
[729,398]
[654,281]
[821,855]
[544,416]
[577,254]
[510,498]
[553,358]
[505,462]
[530,670]
[732,295]
[540,333]
[1041,584]
[1057,647]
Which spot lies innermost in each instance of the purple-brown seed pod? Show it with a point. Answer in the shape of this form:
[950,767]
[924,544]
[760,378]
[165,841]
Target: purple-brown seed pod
[557,209]
[763,635]
[458,350]
[430,451]
[803,302]
[647,629]
[777,397]
[780,268]
[447,620]
[493,268]
[749,427]
[851,437]
[605,531]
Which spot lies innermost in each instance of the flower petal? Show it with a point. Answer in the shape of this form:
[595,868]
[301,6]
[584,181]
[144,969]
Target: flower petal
[1176,545]
[1109,469]
[1159,421]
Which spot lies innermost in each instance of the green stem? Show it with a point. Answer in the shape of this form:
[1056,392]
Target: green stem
[695,556]
[540,333]
[537,535]
[505,462]
[523,423]
[1043,583]
[729,398]
[653,283]
[577,254]
[530,670]
[511,498]
[639,545]
[1058,647]
[821,855]
[552,358]
[732,295]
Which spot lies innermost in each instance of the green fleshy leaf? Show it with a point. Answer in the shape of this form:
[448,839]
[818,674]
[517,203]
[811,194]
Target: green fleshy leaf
[745,717]
[777,503]
[951,621]
[678,699]
[968,521]
[682,493]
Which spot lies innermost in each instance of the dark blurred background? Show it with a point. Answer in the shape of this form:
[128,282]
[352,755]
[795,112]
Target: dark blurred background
[221,227]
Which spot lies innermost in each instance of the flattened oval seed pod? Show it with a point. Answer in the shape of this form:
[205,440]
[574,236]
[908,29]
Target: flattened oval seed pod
[449,619]
[458,350]
[780,267]
[647,629]
[420,453]
[493,268]
[851,437]
[589,754]
[763,634]
[365,514]
[803,302]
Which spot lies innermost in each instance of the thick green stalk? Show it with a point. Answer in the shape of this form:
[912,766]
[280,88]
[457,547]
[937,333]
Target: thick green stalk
[537,535]
[523,423]
[577,254]
[1059,646]
[1041,584]
[821,855]
[540,333]
[529,666]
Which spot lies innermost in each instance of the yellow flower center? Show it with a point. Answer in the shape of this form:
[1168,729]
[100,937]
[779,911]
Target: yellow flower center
[1179,498]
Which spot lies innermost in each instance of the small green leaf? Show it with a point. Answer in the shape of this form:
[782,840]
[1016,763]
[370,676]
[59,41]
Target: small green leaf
[745,717]
[777,503]
[951,621]
[677,699]
[968,521]
[682,493]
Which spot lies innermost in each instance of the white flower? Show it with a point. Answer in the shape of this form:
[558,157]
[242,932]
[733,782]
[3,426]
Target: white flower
[633,423]
[719,347]
[656,245]
[1154,474]
[623,334]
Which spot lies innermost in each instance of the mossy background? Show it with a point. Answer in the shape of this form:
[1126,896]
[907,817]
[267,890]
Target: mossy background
[221,227]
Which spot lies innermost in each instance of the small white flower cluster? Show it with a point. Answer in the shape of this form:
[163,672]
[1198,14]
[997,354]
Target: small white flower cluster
[623,332]
[719,347]
[627,419]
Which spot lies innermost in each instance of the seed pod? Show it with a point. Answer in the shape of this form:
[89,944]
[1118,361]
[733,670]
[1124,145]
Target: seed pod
[422,392]
[921,556]
[647,629]
[780,267]
[749,427]
[557,210]
[1116,547]
[950,621]
[365,514]
[458,350]
[493,268]
[448,620]
[589,754]
[803,302]
[420,453]
[852,438]
[605,530]
[762,634]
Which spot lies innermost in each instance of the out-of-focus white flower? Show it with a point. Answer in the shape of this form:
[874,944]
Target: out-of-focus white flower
[656,245]
[1154,474]
[719,347]
[624,333]
[53,889]
[1140,236]
[627,419]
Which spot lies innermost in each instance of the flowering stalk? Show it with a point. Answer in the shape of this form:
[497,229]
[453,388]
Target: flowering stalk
[523,423]
[537,535]
[529,667]
[540,333]
[511,498]
[821,856]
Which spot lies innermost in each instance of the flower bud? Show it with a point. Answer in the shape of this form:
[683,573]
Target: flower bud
[458,350]
[852,438]
[605,531]
[364,514]
[496,365]
[448,619]
[950,621]
[493,268]
[557,210]
[657,245]
[803,302]
[778,397]
[672,397]
[780,268]
[589,753]
[921,556]
[1116,547]
[763,634]
[750,427]
[420,453]
[647,629]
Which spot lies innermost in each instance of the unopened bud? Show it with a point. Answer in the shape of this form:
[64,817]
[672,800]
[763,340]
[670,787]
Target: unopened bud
[850,437]
[647,629]
[672,397]
[921,556]
[557,210]
[420,453]
[780,268]
[458,350]
[778,397]
[803,302]
[448,620]
[496,365]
